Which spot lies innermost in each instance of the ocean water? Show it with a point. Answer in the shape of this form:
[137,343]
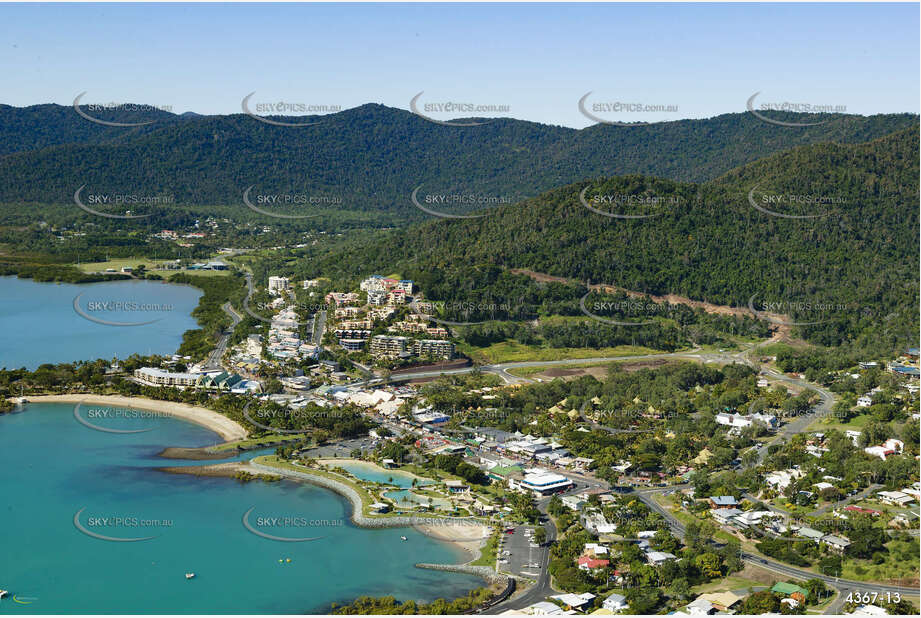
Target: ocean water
[52,469]
[40,324]
[370,473]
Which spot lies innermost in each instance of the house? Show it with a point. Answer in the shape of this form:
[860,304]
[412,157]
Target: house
[615,602]
[456,487]
[725,516]
[791,590]
[723,502]
[781,479]
[595,550]
[895,498]
[656,558]
[542,608]
[865,401]
[863,511]
[889,447]
[748,518]
[838,544]
[823,486]
[380,507]
[722,601]
[587,563]
[810,533]
[700,607]
[574,601]
[869,610]
[574,503]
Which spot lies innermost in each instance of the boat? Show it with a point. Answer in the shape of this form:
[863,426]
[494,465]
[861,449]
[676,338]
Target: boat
[402,538]
[189,575]
[3,593]
[287,559]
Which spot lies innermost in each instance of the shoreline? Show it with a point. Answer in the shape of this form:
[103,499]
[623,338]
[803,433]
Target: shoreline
[469,535]
[334,462]
[229,430]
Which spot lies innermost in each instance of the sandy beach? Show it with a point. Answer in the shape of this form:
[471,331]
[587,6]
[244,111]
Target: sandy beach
[469,536]
[228,429]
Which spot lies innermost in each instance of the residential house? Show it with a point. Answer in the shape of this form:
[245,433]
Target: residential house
[656,558]
[615,602]
[723,502]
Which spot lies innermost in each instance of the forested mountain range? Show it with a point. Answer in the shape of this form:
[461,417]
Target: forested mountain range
[848,267]
[372,157]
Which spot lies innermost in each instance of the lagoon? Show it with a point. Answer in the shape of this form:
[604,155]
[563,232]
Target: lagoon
[51,467]
[39,323]
[367,471]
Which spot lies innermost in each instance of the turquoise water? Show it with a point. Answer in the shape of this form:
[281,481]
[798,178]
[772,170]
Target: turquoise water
[409,499]
[368,473]
[40,324]
[51,467]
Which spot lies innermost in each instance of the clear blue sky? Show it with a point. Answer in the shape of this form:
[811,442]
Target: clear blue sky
[539,59]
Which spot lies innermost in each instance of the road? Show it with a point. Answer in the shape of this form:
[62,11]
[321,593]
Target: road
[319,327]
[541,589]
[856,497]
[842,585]
[213,363]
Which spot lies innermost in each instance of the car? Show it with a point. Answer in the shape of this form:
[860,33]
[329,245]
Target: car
[509,531]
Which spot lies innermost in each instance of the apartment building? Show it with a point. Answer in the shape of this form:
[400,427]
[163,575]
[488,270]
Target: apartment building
[390,346]
[155,376]
[278,285]
[433,347]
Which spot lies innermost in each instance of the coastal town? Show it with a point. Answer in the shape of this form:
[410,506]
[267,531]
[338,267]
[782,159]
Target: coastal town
[798,525]
[454,309]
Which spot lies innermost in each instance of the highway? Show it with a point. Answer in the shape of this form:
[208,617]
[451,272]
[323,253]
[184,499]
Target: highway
[213,363]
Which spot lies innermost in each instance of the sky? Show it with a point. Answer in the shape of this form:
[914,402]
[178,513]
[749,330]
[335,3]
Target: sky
[537,60]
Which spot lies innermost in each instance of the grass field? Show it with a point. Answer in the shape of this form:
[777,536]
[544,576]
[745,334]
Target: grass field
[252,442]
[824,424]
[150,265]
[901,564]
[513,352]
[732,582]
[488,552]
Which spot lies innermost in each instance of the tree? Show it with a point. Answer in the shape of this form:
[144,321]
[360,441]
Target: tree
[709,565]
[761,602]
[540,535]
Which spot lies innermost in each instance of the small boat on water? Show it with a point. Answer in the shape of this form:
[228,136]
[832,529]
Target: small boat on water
[189,575]
[287,559]
[402,538]
[3,593]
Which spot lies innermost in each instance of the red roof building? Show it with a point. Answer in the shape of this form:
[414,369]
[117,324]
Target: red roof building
[587,563]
